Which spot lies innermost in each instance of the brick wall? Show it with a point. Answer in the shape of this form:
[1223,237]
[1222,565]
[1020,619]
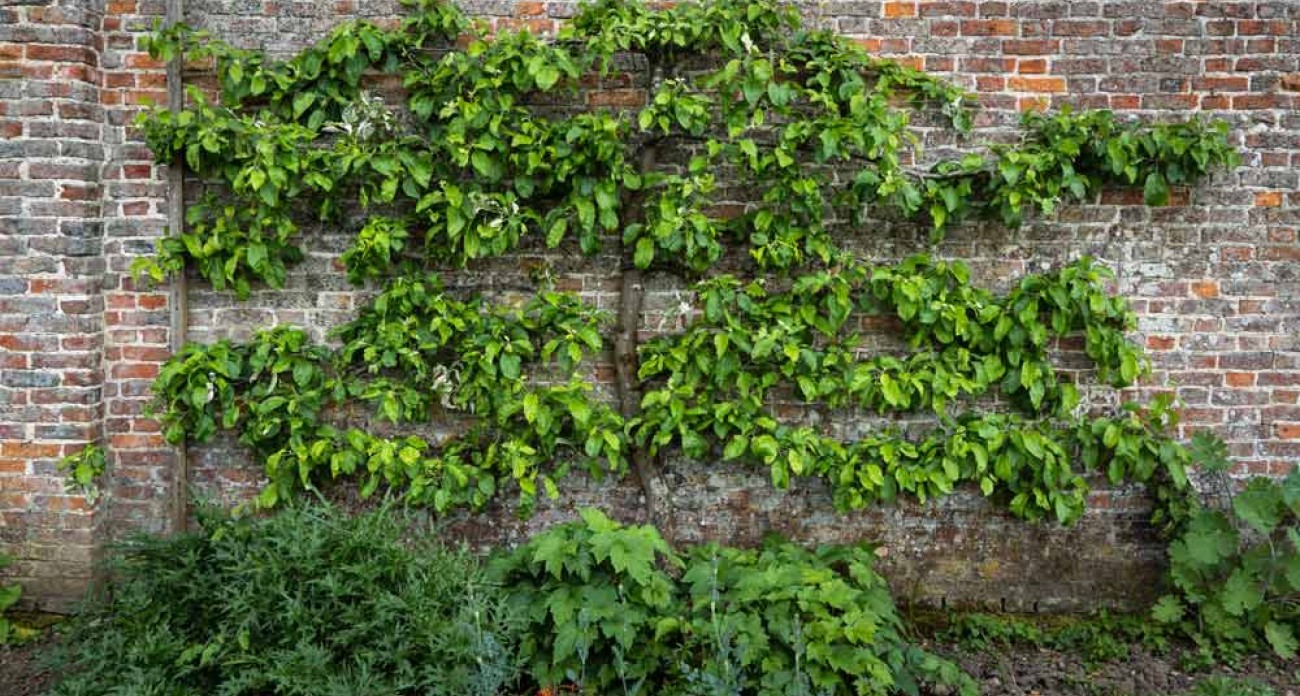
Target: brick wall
[51,305]
[1214,276]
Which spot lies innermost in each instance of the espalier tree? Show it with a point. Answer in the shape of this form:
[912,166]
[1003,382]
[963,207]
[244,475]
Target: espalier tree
[480,161]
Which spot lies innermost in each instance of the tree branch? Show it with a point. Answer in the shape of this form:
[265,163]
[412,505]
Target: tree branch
[631,300]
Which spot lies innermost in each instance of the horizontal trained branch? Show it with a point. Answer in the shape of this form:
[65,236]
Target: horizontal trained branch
[484,157]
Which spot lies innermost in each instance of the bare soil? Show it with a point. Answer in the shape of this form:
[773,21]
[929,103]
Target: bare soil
[1031,671]
[21,669]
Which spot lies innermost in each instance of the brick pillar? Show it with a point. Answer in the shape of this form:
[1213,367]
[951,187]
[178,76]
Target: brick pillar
[51,305]
[137,315]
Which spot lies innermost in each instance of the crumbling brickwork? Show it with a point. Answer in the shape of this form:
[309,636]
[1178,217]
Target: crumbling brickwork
[1214,276]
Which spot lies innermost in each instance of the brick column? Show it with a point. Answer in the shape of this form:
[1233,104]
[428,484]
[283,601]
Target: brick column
[51,306]
[137,316]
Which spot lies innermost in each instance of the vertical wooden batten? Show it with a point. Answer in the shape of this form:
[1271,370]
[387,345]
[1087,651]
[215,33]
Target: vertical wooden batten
[179,296]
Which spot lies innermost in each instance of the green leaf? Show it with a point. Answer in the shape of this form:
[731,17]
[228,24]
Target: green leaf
[645,252]
[736,447]
[303,372]
[531,406]
[765,446]
[1209,540]
[509,364]
[486,165]
[1241,593]
[1167,610]
[1156,190]
[302,101]
[1128,367]
[1260,505]
[546,77]
[555,234]
[9,595]
[1282,639]
[1291,490]
[551,550]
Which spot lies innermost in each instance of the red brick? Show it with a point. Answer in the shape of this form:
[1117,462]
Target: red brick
[913,62]
[1036,84]
[988,27]
[144,61]
[1221,84]
[136,441]
[617,98]
[30,450]
[137,171]
[1258,101]
[1160,343]
[1216,102]
[1169,46]
[64,503]
[900,9]
[60,54]
[940,63]
[28,343]
[1288,252]
[530,9]
[1033,104]
[1287,431]
[1276,27]
[155,301]
[1031,66]
[1031,47]
[1125,101]
[135,371]
[1240,379]
[1080,28]
[939,27]
[1268,199]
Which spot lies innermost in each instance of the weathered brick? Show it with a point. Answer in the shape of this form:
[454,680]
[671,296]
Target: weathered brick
[988,27]
[1036,84]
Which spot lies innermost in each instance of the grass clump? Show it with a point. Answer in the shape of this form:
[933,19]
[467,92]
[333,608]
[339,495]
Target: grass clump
[307,602]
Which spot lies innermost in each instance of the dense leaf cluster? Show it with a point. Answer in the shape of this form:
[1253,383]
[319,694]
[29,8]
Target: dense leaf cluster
[719,377]
[415,353]
[308,601]
[9,595]
[484,158]
[1236,577]
[606,616]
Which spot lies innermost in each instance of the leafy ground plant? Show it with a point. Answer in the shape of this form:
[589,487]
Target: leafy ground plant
[9,595]
[1101,637]
[784,619]
[309,601]
[1228,686]
[593,592]
[1236,574]
[607,617]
